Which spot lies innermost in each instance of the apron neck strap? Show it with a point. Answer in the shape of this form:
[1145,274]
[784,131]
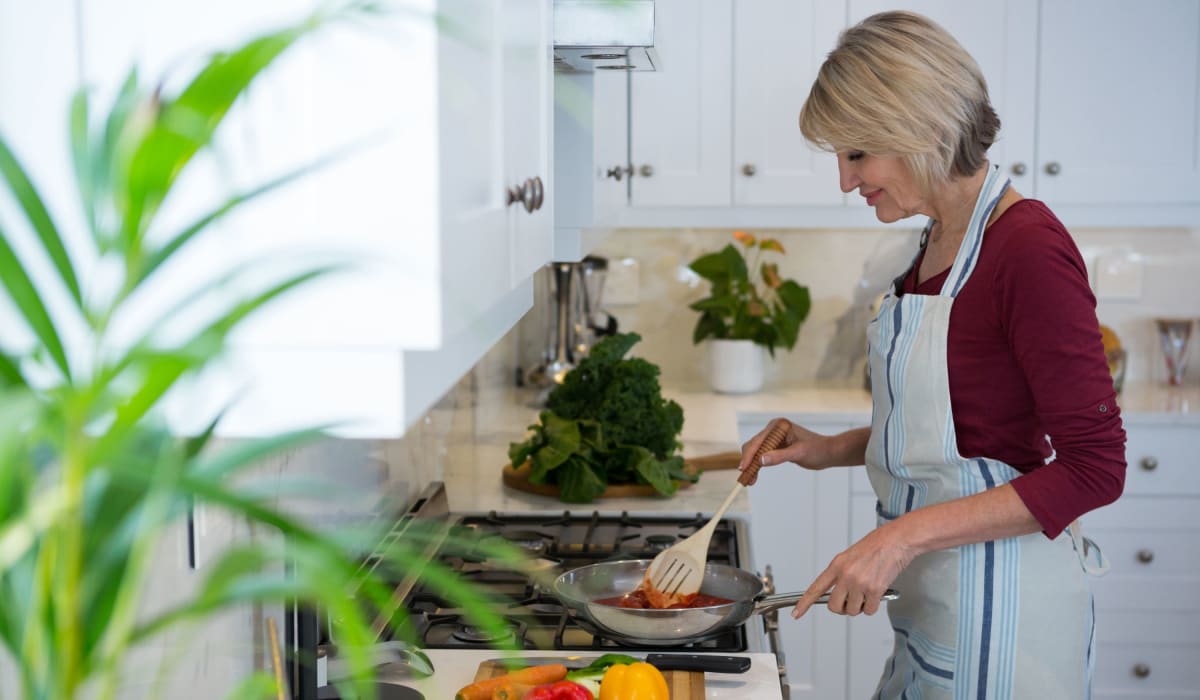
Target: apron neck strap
[994,187]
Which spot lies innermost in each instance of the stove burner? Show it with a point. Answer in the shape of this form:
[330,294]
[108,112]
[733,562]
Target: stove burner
[657,543]
[546,608]
[467,633]
[532,541]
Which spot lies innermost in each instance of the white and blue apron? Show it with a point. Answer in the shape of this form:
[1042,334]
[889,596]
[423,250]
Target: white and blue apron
[1010,618]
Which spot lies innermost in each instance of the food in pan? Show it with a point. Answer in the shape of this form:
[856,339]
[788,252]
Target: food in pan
[638,600]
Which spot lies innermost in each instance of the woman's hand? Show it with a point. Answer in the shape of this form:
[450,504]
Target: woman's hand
[804,447]
[857,578]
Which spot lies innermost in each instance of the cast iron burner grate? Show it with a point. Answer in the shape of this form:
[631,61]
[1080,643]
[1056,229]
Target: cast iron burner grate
[536,618]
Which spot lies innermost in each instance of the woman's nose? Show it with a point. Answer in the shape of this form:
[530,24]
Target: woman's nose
[847,177]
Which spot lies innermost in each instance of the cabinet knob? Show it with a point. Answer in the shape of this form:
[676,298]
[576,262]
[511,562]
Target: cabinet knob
[646,170]
[525,194]
[748,170]
[1018,169]
[1141,670]
[1053,168]
[619,171]
[1145,556]
[1149,464]
[539,193]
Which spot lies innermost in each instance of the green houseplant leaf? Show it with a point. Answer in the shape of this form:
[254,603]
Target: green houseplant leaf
[761,307]
[89,478]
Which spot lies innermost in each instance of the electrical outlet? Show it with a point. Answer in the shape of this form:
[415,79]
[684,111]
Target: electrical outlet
[1118,278]
[623,286]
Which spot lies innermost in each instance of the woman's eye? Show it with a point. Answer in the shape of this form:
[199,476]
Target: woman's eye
[854,155]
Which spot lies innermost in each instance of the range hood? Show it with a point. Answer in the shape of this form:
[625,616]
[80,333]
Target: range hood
[606,35]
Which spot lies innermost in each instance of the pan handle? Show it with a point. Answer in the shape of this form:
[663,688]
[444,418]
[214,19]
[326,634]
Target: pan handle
[775,602]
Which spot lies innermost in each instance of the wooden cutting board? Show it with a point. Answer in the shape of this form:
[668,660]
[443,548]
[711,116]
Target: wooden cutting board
[684,685]
[518,478]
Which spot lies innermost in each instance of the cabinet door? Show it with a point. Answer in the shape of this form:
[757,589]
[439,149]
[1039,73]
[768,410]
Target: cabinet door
[869,637]
[778,45]
[1119,102]
[798,525]
[1002,38]
[528,119]
[680,115]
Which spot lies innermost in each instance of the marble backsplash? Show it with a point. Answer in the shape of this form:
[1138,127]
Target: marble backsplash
[845,271]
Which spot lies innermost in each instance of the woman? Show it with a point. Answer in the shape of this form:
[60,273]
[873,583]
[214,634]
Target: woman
[995,424]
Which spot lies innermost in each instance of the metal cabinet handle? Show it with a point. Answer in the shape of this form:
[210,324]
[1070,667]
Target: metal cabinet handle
[1018,169]
[1145,556]
[539,193]
[524,194]
[646,170]
[1149,464]
[1053,168]
[748,170]
[619,171]
[1141,670]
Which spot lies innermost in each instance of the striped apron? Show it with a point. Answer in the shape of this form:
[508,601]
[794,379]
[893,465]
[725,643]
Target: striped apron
[1010,618]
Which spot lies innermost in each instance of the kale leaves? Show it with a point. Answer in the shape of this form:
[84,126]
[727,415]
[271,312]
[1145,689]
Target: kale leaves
[606,424]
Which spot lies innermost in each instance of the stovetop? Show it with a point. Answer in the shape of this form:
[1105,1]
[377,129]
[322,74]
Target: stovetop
[536,619]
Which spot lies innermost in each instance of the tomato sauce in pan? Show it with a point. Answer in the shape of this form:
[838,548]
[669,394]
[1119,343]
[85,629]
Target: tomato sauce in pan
[637,599]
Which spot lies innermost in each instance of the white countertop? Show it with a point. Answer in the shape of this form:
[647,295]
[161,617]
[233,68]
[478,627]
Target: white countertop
[455,668]
[472,471]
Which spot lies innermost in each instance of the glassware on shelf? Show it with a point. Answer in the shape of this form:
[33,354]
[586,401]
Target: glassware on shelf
[1173,336]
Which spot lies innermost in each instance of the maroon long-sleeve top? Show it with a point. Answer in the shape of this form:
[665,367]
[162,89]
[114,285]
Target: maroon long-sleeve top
[1028,377]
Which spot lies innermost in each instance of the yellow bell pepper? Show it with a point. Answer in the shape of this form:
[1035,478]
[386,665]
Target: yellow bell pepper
[639,681]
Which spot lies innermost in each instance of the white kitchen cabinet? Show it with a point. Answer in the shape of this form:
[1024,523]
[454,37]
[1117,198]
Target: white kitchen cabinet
[716,125]
[1147,613]
[778,46]
[1119,104]
[680,134]
[440,208]
[1099,107]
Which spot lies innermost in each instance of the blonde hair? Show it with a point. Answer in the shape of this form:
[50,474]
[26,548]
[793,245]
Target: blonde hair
[898,84]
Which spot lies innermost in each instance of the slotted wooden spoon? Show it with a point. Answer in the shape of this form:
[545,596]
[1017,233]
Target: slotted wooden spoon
[674,576]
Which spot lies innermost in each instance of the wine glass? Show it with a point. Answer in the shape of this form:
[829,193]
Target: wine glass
[1173,336]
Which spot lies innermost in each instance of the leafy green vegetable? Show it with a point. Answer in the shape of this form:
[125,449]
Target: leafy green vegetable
[606,424]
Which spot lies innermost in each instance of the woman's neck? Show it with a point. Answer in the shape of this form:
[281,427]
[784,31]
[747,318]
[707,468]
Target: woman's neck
[952,206]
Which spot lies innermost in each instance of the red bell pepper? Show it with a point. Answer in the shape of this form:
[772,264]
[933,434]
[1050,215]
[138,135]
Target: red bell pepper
[562,690]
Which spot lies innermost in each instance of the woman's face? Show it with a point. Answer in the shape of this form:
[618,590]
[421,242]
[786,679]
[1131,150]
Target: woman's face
[884,181]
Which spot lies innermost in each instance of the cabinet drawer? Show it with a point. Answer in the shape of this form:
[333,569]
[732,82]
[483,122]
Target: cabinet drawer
[1147,627]
[1175,594]
[1146,668]
[1162,460]
[1150,552]
[1144,513]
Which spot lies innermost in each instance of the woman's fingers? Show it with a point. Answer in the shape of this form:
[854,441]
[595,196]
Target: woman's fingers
[751,448]
[818,588]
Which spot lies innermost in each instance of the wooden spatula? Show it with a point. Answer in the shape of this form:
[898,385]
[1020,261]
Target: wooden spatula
[674,576]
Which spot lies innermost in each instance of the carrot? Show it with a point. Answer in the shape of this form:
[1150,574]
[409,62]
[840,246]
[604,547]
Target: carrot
[512,691]
[534,675]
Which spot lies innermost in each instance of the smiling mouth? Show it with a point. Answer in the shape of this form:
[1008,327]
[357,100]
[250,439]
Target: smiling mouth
[873,197]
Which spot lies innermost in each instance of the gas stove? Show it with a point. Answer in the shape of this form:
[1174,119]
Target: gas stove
[535,618]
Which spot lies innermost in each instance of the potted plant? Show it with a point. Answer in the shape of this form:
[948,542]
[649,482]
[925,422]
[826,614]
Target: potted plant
[89,478]
[749,307]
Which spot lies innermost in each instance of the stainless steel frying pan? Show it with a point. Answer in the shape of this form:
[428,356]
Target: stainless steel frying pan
[580,588]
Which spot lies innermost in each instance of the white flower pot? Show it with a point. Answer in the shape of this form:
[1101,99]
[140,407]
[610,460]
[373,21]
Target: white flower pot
[735,366]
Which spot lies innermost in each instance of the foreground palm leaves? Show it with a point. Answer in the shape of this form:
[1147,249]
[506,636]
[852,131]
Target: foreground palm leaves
[88,477]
